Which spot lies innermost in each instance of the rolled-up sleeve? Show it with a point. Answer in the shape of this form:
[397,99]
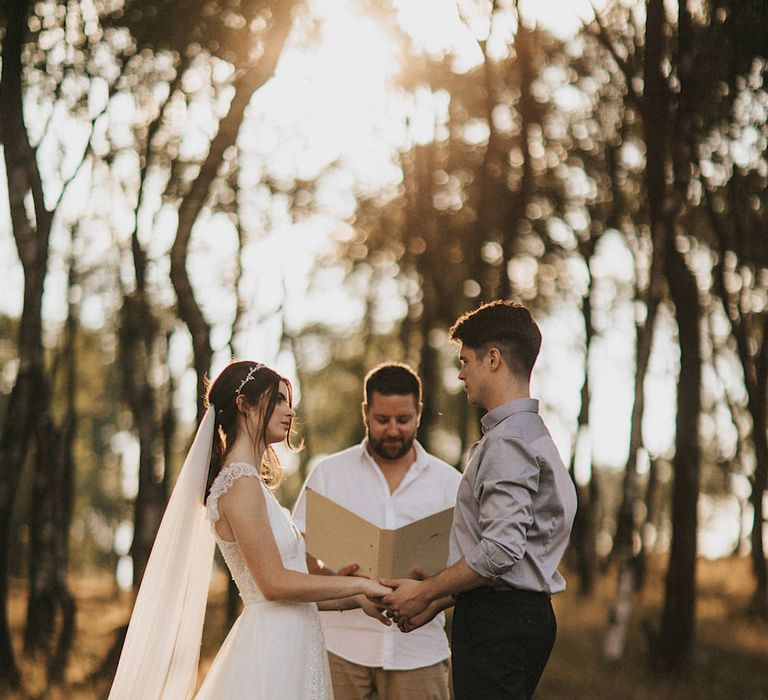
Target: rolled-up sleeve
[504,493]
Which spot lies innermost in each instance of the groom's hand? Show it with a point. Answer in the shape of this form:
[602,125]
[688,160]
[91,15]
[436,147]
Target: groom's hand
[408,599]
[408,624]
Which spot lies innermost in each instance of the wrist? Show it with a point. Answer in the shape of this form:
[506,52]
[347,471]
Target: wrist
[352,602]
[362,587]
[343,604]
[429,590]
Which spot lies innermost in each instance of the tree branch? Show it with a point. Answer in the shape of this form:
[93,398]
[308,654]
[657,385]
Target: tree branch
[600,32]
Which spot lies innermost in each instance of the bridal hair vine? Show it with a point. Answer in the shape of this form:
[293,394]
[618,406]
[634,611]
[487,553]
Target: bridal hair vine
[248,377]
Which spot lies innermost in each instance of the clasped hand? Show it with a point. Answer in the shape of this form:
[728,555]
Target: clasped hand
[408,604]
[371,601]
[404,601]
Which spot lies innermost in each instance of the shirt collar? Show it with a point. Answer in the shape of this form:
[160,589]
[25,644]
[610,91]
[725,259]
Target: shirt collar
[491,419]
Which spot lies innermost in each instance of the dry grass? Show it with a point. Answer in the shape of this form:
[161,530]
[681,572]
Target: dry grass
[102,611]
[731,661]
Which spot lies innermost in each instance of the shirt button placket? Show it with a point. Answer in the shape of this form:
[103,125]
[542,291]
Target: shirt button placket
[389,515]
[388,656]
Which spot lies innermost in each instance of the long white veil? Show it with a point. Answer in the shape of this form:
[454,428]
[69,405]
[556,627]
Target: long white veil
[162,648]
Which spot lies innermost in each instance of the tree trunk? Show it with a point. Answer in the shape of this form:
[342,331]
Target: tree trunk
[517,202]
[50,607]
[759,412]
[753,357]
[674,649]
[41,607]
[139,333]
[428,370]
[195,200]
[64,503]
[138,339]
[420,225]
[491,186]
[676,637]
[584,533]
[655,113]
[624,550]
[652,508]
[29,396]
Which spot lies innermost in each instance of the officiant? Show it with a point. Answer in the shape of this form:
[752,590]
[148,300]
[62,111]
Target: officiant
[390,480]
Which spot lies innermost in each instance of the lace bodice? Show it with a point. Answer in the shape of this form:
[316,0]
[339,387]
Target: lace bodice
[288,538]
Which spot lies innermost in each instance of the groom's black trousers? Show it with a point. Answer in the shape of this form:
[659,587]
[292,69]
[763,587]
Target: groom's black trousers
[500,643]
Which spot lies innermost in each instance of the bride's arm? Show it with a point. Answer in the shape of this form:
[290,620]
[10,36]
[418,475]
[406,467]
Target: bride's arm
[374,610]
[245,509]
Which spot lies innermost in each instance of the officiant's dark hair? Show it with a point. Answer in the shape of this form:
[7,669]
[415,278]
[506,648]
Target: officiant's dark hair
[392,379]
[255,382]
[505,325]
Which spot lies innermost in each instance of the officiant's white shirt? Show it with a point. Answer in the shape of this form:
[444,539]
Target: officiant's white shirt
[352,479]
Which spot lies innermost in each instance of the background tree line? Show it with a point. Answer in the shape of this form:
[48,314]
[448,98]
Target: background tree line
[142,189]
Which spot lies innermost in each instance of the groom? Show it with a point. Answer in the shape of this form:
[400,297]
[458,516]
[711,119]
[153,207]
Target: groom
[513,516]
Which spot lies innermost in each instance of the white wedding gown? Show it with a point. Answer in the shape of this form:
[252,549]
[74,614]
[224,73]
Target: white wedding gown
[275,650]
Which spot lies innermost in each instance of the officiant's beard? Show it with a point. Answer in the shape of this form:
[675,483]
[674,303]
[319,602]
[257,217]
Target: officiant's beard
[389,448]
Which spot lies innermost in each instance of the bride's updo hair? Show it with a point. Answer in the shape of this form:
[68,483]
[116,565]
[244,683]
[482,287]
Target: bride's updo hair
[257,383]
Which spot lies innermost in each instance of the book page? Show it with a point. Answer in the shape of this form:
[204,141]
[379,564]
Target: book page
[421,544]
[339,537]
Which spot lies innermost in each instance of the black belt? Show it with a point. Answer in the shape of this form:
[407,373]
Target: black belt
[504,588]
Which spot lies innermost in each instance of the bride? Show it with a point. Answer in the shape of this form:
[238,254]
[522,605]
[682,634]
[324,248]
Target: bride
[275,648]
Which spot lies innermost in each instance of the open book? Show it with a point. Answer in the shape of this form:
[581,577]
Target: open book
[337,536]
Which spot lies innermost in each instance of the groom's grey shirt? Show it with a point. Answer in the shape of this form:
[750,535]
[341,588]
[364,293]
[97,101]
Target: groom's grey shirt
[516,502]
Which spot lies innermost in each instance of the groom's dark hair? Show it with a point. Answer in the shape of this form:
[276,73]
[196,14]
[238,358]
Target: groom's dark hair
[393,379]
[504,325]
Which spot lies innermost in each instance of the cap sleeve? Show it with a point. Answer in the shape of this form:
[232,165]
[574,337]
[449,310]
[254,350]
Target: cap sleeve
[223,482]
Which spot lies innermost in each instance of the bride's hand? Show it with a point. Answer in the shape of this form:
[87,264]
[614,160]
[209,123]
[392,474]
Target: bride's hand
[374,610]
[374,591]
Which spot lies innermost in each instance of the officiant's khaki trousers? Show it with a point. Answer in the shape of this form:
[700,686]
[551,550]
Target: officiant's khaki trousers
[355,682]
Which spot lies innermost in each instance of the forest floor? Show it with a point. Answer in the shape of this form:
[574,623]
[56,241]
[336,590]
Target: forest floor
[731,660]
